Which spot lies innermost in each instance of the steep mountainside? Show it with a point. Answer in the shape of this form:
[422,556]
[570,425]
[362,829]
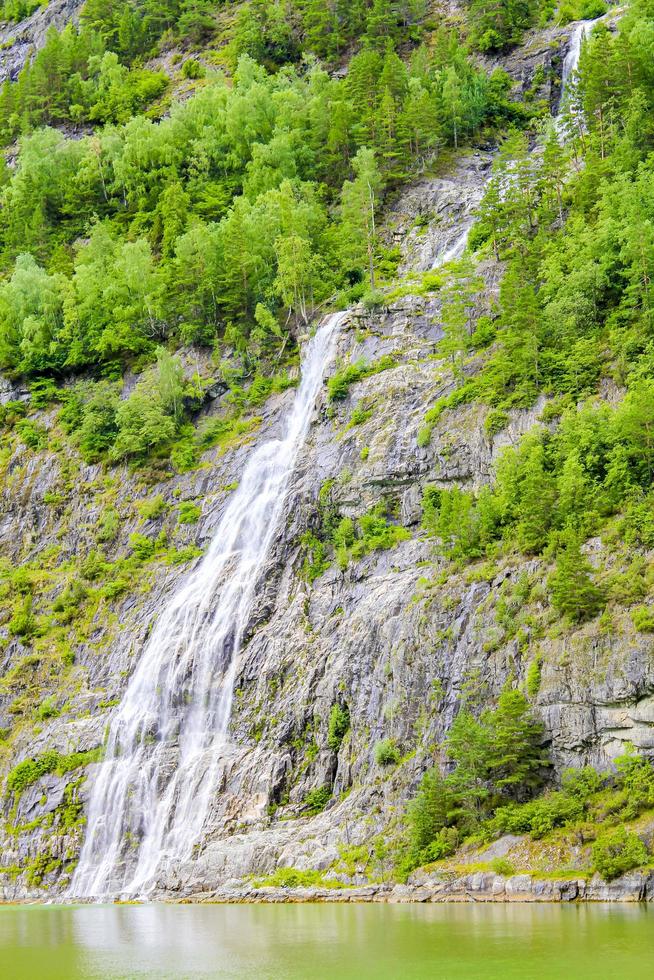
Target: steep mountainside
[361,611]
[18,42]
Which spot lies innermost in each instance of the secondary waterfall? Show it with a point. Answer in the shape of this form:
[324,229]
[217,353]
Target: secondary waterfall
[152,793]
[458,246]
[571,59]
[570,65]
[455,247]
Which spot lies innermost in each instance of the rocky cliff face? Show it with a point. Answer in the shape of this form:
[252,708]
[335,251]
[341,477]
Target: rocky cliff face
[19,42]
[395,637]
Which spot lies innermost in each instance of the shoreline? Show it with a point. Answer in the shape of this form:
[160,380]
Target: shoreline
[478,887]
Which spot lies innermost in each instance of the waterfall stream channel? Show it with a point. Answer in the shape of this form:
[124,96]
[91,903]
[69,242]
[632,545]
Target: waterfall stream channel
[152,793]
[153,790]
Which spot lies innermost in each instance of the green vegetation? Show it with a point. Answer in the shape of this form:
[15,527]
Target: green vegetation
[556,486]
[618,851]
[210,220]
[217,222]
[339,384]
[339,725]
[387,753]
[496,758]
[188,513]
[317,799]
[294,878]
[26,773]
[157,254]
[348,539]
[498,26]
[573,322]
[18,10]
[589,807]
[152,508]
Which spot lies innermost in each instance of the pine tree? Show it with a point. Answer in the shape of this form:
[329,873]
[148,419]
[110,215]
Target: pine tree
[516,759]
[172,213]
[556,166]
[572,589]
[381,22]
[359,201]
[467,745]
[363,88]
[537,494]
[321,27]
[457,302]
[430,810]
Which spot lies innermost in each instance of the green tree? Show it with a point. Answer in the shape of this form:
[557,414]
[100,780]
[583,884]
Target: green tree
[537,496]
[143,423]
[453,105]
[98,428]
[170,383]
[516,759]
[572,589]
[468,745]
[359,202]
[296,274]
[430,810]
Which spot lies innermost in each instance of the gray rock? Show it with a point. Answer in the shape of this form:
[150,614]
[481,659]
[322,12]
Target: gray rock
[385,636]
[19,42]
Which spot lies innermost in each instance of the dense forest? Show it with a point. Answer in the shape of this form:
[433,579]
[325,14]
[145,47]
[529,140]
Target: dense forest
[216,220]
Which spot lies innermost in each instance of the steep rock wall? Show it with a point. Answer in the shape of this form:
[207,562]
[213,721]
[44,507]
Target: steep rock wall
[19,42]
[390,636]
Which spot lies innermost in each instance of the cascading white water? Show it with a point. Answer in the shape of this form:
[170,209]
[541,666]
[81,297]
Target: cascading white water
[571,63]
[152,792]
[456,249]
[571,59]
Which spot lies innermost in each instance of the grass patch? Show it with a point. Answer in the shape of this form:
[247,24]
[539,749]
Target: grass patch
[294,878]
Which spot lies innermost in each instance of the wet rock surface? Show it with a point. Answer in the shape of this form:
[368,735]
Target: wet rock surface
[19,42]
[379,636]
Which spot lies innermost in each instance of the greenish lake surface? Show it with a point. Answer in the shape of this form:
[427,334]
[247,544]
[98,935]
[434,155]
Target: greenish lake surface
[285,942]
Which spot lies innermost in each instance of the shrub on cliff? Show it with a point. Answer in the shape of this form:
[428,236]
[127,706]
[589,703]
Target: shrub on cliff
[317,799]
[617,852]
[387,753]
[339,723]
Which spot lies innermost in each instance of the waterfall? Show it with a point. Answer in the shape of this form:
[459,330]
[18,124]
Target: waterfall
[571,62]
[573,53]
[152,792]
[456,249]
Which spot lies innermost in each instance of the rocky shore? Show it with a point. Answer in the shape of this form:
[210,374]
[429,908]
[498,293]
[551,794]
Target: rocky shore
[480,886]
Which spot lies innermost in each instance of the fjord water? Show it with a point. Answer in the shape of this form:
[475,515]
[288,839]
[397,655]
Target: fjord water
[152,792]
[294,942]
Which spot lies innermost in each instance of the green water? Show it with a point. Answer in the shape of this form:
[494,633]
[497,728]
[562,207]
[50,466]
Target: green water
[331,941]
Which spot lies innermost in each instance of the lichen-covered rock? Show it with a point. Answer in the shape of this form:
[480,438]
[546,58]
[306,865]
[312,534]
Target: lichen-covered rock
[19,42]
[389,636]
